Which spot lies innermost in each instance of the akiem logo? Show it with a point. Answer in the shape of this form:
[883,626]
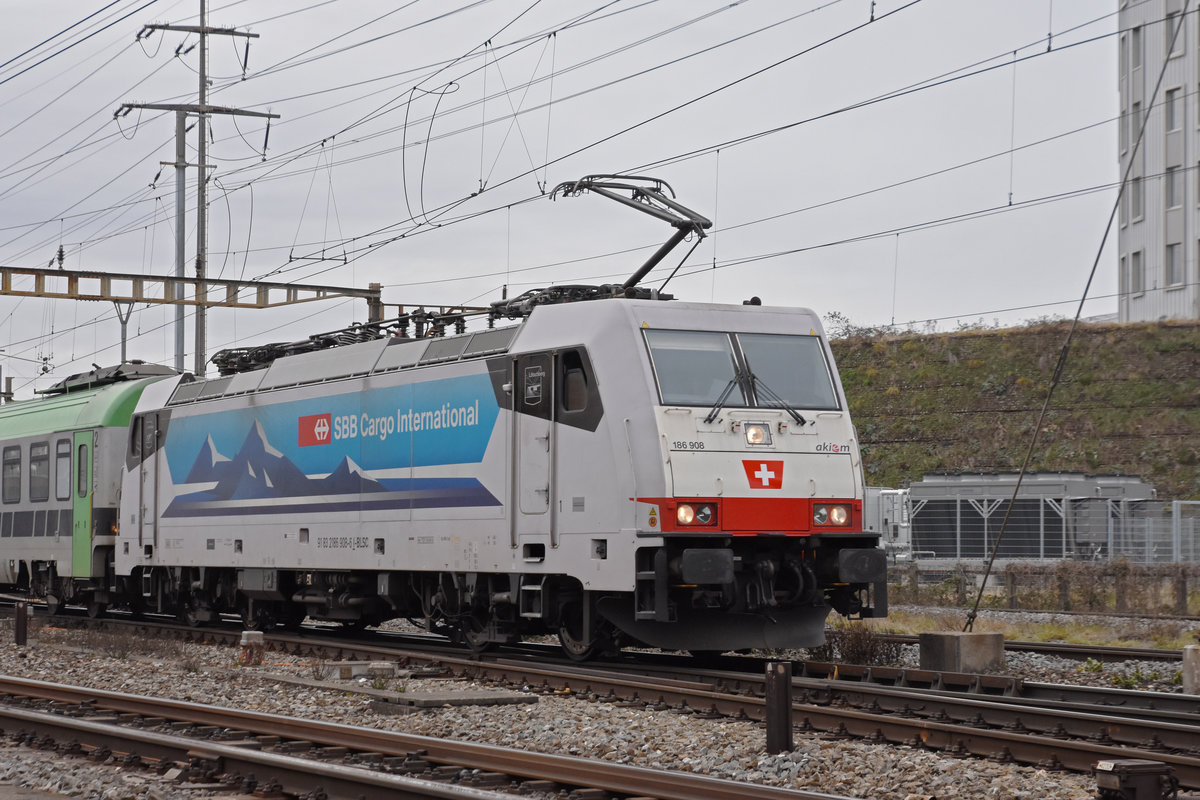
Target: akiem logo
[315,429]
[764,474]
[832,447]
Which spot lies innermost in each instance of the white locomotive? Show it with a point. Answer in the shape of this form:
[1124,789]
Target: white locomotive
[684,474]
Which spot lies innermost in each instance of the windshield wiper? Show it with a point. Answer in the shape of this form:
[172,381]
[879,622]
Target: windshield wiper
[757,382]
[716,409]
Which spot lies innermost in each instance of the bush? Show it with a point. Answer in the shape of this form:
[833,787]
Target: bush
[855,643]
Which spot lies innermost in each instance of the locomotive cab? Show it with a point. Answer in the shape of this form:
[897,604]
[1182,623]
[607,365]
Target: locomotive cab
[744,479]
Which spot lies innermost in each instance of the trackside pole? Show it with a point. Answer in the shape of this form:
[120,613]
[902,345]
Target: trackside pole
[779,706]
[21,623]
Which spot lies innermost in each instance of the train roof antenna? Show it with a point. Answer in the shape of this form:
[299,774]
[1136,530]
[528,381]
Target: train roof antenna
[650,196]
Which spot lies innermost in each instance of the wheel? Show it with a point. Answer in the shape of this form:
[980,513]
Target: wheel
[474,633]
[53,604]
[570,635]
[189,615]
[259,617]
[96,609]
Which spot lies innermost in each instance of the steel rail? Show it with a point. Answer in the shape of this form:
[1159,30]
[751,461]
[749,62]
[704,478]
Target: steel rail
[292,774]
[569,770]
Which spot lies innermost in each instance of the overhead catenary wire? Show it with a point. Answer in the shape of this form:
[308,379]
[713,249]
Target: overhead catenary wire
[77,42]
[508,206]
[879,234]
[827,4]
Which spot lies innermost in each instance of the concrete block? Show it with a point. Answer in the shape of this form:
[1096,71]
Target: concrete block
[1191,669]
[954,651]
[345,670]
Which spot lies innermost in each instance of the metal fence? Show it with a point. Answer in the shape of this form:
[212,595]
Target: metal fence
[1093,528]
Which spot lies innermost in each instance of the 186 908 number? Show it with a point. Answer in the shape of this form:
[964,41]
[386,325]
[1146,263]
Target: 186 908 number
[687,445]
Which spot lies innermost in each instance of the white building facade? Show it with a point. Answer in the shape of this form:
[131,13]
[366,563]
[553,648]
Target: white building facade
[1159,240]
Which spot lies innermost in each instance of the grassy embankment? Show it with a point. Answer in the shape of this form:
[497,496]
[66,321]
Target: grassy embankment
[1128,402]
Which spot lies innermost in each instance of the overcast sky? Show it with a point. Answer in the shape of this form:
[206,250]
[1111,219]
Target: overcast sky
[852,166]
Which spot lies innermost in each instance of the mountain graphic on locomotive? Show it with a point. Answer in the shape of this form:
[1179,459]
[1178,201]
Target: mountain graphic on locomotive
[626,469]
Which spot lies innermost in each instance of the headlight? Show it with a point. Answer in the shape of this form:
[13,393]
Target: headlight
[687,514]
[831,515]
[757,434]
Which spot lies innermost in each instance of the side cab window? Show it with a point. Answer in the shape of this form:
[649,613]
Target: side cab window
[577,391]
[574,382]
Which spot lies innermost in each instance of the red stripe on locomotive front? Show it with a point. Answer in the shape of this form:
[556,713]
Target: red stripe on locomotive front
[750,516]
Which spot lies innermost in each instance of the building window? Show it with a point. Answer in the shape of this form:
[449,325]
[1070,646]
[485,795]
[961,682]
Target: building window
[12,475]
[39,472]
[1135,48]
[1173,265]
[1172,110]
[1173,193]
[1135,198]
[1135,121]
[1173,21]
[1123,50]
[1123,278]
[1136,276]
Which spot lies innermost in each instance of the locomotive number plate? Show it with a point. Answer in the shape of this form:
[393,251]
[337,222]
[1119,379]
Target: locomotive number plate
[343,542]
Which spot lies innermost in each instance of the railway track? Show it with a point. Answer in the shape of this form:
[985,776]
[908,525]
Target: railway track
[267,753]
[1003,718]
[1079,652]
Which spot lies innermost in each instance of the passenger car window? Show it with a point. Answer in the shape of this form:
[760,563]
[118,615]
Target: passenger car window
[39,472]
[81,469]
[62,469]
[12,475]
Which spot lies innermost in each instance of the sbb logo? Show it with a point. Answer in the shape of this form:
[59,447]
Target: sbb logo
[315,429]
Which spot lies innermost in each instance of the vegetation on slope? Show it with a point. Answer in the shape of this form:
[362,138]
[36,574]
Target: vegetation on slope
[1128,402]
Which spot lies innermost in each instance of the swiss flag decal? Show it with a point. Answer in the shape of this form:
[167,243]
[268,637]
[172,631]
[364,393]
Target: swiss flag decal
[764,474]
[315,429]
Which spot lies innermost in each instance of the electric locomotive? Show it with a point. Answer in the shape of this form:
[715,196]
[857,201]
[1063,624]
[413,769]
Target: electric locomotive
[623,469]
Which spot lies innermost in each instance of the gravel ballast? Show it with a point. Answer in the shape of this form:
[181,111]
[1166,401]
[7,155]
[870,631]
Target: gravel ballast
[562,724]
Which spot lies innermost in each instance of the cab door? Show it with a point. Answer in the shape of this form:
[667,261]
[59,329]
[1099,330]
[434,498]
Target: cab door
[145,441]
[533,444]
[81,506]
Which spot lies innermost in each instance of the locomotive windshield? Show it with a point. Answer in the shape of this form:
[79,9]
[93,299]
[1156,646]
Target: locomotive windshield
[793,366]
[694,368]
